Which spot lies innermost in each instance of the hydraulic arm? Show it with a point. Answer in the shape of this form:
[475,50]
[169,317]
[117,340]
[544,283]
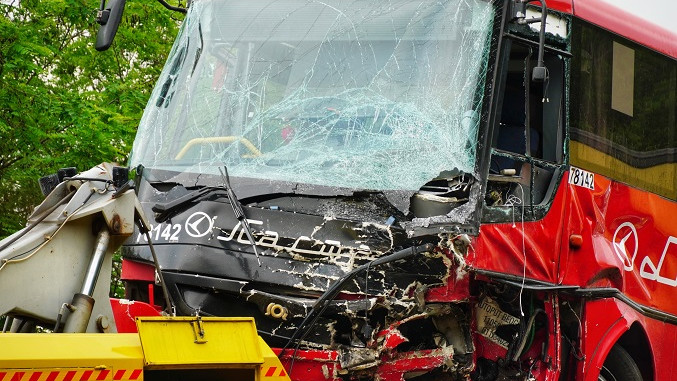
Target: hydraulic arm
[55,274]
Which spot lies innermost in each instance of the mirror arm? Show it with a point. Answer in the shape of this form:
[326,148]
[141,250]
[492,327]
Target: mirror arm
[109,19]
[171,7]
[540,72]
[102,14]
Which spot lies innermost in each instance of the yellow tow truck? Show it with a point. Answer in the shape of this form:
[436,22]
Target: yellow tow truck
[55,275]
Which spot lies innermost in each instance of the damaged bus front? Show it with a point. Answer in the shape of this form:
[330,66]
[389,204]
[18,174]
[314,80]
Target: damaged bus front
[354,138]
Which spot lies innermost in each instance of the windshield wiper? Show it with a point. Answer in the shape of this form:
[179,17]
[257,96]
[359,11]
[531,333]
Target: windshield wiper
[238,211]
[165,210]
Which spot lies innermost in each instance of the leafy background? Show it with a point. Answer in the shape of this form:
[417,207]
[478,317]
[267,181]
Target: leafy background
[62,103]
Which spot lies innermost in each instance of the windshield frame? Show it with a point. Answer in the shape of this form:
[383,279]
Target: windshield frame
[484,92]
[180,60]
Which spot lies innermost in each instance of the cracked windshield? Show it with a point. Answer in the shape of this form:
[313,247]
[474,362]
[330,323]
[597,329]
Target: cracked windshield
[380,95]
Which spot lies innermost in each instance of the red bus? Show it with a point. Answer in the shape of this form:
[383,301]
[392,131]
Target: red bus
[419,190]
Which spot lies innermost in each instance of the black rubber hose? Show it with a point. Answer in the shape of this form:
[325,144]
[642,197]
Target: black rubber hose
[323,301]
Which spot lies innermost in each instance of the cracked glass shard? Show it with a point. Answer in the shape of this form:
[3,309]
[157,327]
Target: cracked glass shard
[378,95]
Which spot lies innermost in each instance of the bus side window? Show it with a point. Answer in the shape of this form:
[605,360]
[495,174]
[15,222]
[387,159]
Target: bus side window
[528,136]
[623,110]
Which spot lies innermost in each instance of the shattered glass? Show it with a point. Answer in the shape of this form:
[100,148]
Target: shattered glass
[359,94]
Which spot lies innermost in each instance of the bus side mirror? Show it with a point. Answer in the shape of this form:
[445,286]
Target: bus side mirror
[108,17]
[518,15]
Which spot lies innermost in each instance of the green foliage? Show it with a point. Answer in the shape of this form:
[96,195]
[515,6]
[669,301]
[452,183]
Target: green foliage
[117,288]
[64,104]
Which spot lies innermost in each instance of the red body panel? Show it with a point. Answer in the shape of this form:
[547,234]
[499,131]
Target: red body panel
[629,242]
[522,248]
[606,320]
[125,311]
[565,6]
[614,220]
[136,271]
[604,14]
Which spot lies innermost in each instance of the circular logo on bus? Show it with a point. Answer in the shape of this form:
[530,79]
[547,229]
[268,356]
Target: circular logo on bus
[625,244]
[199,224]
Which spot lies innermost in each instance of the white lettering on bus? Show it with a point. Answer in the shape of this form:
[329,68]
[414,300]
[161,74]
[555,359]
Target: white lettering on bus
[647,269]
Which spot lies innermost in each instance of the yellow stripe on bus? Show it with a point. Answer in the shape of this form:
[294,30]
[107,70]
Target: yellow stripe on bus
[660,179]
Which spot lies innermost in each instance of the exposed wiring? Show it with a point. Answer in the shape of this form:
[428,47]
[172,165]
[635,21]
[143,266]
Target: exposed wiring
[36,222]
[52,235]
[323,301]
[580,324]
[107,181]
[576,351]
[514,201]
[366,295]
[528,335]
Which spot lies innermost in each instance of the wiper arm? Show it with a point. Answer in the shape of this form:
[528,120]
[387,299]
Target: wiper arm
[165,210]
[238,211]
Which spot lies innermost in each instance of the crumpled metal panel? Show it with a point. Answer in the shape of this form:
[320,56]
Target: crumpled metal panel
[629,242]
[522,248]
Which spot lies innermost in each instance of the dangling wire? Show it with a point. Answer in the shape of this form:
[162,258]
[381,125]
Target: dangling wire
[366,295]
[514,201]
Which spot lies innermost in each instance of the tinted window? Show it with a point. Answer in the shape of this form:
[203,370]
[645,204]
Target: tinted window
[623,110]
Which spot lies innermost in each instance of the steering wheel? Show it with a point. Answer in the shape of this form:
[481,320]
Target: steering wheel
[220,139]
